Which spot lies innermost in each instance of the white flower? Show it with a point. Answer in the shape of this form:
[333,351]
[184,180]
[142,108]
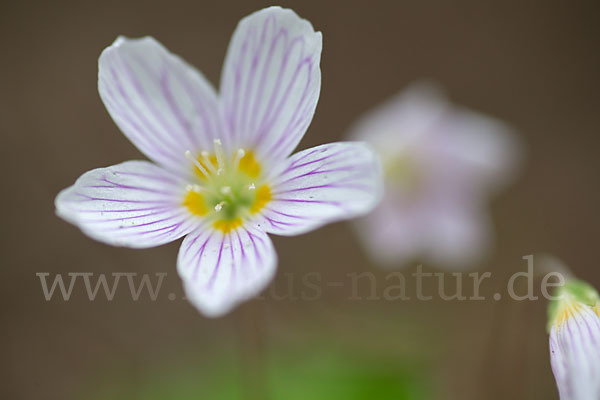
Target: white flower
[440,164]
[575,341]
[223,174]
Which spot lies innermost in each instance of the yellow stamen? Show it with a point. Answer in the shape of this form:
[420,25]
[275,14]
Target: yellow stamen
[228,187]
[263,196]
[189,156]
[249,165]
[219,154]
[238,156]
[195,203]
[209,162]
[227,226]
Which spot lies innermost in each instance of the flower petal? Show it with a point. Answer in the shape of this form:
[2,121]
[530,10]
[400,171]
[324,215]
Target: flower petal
[401,122]
[133,204]
[393,233]
[441,163]
[271,81]
[458,235]
[462,147]
[220,270]
[450,233]
[475,148]
[323,184]
[162,104]
[575,355]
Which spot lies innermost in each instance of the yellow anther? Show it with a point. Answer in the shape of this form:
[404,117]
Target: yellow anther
[189,156]
[208,162]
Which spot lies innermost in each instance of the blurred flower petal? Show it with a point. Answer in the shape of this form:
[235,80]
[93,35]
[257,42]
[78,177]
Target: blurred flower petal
[440,162]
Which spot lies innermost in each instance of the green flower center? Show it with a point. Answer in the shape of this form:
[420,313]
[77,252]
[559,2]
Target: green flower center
[226,189]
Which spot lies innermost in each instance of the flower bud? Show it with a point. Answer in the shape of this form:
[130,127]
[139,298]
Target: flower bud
[574,325]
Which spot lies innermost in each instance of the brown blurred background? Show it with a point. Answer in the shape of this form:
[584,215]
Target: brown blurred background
[532,64]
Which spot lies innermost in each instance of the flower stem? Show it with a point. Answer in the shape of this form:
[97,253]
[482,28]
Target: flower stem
[251,335]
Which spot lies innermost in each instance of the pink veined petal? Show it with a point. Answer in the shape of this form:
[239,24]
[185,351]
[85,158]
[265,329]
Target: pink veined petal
[321,185]
[442,162]
[220,270]
[133,204]
[457,236]
[393,234]
[452,234]
[403,121]
[162,104]
[474,150]
[575,355]
[271,81]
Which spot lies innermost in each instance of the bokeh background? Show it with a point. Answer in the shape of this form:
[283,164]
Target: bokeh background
[532,64]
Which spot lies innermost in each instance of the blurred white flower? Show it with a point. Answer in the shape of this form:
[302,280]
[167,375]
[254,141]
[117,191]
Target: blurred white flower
[223,174]
[441,162]
[574,323]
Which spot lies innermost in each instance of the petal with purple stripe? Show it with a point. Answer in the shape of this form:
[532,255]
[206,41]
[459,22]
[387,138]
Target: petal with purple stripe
[133,204]
[162,104]
[575,355]
[271,81]
[220,270]
[323,184]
